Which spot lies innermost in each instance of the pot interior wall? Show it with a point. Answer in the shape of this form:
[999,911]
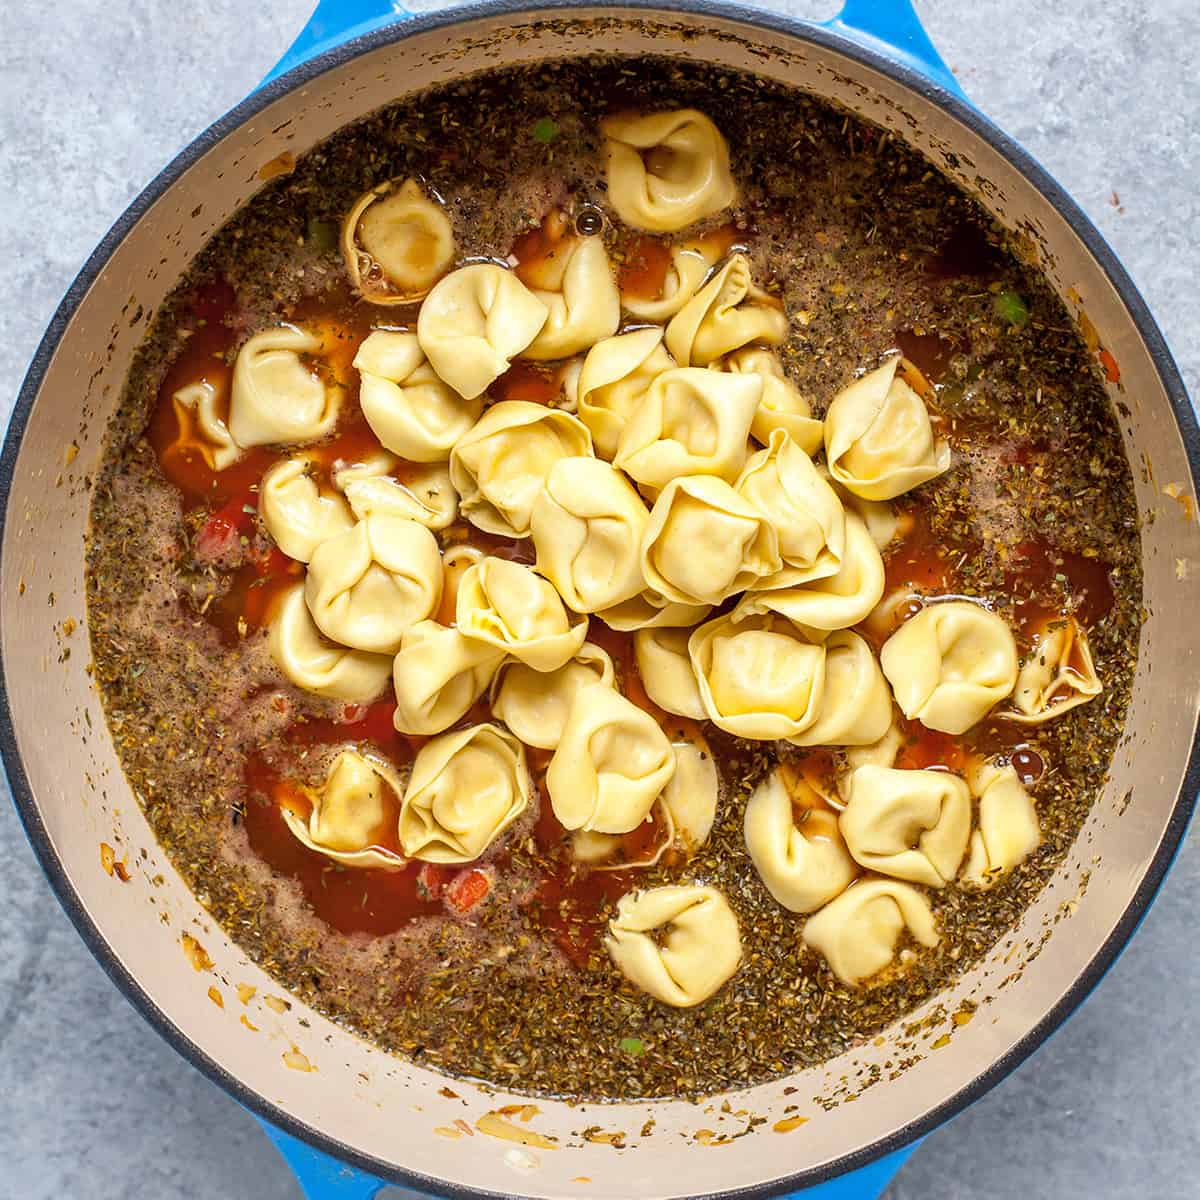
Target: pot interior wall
[379,1106]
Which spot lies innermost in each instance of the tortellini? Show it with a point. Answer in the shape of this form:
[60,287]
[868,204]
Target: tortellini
[438,674]
[500,467]
[761,679]
[911,825]
[277,398]
[878,438]
[610,852]
[652,610]
[534,704]
[881,753]
[690,262]
[366,586]
[295,512]
[835,601]
[506,605]
[704,542]
[615,377]
[474,322]
[465,790]
[585,307]
[1058,675]
[855,707]
[679,943]
[727,313]
[857,933]
[782,483]
[611,763]
[803,864]
[197,402]
[587,526]
[689,422]
[352,813]
[409,409]
[949,665]
[1008,826]
[666,170]
[782,407]
[313,664]
[692,794]
[396,243]
[425,495]
[879,516]
[666,671]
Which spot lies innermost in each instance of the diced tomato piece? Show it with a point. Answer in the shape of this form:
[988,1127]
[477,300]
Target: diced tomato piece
[431,880]
[218,540]
[467,889]
[1112,372]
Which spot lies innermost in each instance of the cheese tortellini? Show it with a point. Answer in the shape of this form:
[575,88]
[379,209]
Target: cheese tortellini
[587,527]
[425,495]
[465,790]
[277,398]
[534,704]
[295,512]
[727,313]
[689,422]
[506,605]
[1008,830]
[611,763]
[500,467]
[782,407]
[704,542]
[196,403]
[438,674]
[585,306]
[312,663]
[615,377]
[652,610]
[878,438]
[1058,675]
[396,243]
[911,825]
[666,671]
[803,864]
[666,170]
[949,665]
[354,813]
[692,794]
[828,602]
[366,586]
[409,409]
[761,679]
[855,706]
[857,933]
[782,483]
[690,262]
[474,322]
[679,943]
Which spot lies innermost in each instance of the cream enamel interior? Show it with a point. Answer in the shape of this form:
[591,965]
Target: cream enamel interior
[383,1107]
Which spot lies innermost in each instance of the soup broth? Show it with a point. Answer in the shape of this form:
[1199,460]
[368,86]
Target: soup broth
[496,966]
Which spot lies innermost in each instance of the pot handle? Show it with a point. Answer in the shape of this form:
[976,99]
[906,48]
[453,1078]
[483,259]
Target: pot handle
[334,22]
[322,1177]
[892,28]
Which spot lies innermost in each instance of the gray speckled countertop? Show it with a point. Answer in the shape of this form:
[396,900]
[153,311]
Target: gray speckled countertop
[94,98]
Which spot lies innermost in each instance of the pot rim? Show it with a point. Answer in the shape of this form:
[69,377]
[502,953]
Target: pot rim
[758,21]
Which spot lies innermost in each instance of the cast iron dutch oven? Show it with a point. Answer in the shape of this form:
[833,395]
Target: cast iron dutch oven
[363,1117]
